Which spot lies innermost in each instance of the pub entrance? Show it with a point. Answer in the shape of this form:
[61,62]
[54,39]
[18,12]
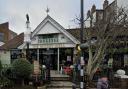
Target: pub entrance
[48,56]
[55,56]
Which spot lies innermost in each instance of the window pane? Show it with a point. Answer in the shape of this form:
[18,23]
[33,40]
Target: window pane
[2,37]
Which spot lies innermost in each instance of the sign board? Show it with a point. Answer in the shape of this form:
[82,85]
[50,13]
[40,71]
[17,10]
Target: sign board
[36,67]
[82,62]
[68,58]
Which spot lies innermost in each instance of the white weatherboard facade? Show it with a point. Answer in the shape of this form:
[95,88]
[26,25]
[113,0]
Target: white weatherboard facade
[50,34]
[61,38]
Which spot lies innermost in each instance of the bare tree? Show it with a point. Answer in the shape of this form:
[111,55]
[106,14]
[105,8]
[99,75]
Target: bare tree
[106,32]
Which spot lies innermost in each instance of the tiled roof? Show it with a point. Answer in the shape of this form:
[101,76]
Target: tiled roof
[14,43]
[12,32]
[4,24]
[76,33]
[18,40]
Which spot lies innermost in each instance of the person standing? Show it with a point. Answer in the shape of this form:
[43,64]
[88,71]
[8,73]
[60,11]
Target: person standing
[103,83]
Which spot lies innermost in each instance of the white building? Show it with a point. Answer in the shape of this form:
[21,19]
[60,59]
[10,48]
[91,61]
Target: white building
[49,40]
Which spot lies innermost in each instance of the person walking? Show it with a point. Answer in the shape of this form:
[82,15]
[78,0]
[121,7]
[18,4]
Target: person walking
[103,83]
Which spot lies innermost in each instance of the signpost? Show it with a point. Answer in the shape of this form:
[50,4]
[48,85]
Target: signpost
[36,69]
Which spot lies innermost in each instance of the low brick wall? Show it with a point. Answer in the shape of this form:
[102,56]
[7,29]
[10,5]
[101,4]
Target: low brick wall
[124,83]
[121,83]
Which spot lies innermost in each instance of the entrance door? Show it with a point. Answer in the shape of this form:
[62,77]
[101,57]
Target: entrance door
[53,58]
[53,61]
[49,56]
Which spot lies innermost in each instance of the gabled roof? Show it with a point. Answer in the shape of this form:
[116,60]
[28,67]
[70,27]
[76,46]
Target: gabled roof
[17,41]
[57,25]
[14,43]
[76,33]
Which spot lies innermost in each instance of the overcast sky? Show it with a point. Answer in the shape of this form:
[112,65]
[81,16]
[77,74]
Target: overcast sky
[63,11]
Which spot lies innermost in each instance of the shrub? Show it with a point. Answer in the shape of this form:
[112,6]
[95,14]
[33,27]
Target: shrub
[22,68]
[5,82]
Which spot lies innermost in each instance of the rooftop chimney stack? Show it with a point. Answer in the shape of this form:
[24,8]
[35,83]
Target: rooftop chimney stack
[105,4]
[93,9]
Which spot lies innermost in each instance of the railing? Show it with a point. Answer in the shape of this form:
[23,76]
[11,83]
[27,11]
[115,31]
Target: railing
[48,40]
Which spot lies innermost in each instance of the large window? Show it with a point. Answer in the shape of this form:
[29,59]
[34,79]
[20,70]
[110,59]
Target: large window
[15,54]
[50,38]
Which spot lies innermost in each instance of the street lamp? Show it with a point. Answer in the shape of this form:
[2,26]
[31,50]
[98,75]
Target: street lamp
[81,39]
[27,34]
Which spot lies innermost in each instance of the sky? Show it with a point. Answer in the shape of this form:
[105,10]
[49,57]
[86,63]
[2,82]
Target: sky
[64,12]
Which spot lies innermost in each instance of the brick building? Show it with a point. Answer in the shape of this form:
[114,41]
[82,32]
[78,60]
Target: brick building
[5,36]
[120,56]
[5,33]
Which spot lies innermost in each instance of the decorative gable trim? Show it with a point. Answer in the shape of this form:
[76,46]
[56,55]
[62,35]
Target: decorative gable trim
[57,25]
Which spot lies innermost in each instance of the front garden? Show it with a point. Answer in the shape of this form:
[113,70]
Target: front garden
[17,75]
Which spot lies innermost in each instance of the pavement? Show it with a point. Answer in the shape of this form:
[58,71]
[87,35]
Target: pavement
[57,74]
[60,83]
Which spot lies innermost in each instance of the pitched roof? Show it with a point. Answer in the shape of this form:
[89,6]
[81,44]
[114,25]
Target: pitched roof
[12,32]
[76,33]
[6,24]
[14,43]
[19,39]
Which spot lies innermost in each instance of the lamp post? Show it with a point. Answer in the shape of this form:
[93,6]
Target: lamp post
[81,39]
[27,37]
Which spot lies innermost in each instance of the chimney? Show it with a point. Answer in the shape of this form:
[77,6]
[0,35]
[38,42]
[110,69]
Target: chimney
[105,4]
[93,9]
[88,14]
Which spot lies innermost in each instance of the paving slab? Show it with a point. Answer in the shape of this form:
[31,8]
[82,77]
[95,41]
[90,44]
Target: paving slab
[57,74]
[61,83]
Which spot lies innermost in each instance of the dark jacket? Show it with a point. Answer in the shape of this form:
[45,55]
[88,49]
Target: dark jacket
[102,84]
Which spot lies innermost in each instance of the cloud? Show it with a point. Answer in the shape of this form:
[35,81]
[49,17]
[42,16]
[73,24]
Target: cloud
[63,11]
